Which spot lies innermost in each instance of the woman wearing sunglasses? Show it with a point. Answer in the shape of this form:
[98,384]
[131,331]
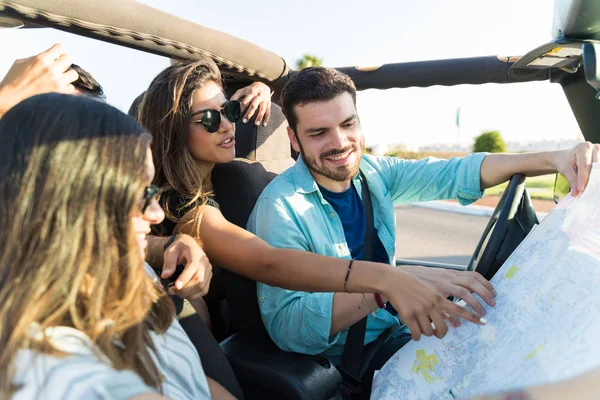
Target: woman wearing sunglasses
[81,316]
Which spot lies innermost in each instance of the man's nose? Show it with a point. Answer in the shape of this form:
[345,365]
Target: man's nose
[338,139]
[154,213]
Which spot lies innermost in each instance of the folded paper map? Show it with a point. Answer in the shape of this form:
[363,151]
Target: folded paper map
[544,328]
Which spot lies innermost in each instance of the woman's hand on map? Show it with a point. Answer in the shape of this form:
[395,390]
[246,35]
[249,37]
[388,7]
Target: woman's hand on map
[255,98]
[575,165]
[461,284]
[422,309]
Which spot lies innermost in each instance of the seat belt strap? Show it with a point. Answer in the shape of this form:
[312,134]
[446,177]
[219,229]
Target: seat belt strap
[353,349]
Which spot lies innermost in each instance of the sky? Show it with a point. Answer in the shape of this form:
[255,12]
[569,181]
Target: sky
[359,33]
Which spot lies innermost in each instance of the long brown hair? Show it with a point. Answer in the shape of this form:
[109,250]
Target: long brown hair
[71,179]
[165,111]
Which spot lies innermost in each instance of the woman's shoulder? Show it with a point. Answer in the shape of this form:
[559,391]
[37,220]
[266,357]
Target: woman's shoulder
[81,373]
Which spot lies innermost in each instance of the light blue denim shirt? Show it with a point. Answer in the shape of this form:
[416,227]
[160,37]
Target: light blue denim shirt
[292,213]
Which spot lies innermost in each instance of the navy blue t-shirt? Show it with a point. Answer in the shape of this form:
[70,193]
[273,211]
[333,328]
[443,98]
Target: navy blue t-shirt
[351,210]
[349,207]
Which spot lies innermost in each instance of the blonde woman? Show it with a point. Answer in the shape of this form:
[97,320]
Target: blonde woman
[81,317]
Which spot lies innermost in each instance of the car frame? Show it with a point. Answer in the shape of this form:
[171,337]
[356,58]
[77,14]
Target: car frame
[263,370]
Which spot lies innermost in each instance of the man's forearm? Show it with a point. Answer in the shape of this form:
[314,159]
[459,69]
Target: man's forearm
[498,168]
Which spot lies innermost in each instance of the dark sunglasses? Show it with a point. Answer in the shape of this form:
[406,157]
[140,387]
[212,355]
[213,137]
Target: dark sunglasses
[211,120]
[151,192]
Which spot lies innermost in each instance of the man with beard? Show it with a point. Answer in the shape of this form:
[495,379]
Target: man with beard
[317,205]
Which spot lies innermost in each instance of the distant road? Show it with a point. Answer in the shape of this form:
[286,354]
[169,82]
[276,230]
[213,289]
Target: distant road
[438,236]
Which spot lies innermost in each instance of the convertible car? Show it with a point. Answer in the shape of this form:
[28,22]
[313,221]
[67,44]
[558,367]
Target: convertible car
[570,59]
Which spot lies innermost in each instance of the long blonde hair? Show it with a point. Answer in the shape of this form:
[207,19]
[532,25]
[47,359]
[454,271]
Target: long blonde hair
[71,179]
[165,111]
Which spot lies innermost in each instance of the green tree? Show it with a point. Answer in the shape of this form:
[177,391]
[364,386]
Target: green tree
[490,142]
[308,60]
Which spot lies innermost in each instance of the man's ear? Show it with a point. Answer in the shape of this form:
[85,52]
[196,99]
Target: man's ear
[293,139]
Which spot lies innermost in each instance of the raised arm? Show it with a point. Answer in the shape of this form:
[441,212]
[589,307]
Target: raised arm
[574,164]
[43,73]
[409,181]
[255,98]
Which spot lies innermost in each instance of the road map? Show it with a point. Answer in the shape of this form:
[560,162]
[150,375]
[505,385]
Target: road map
[544,327]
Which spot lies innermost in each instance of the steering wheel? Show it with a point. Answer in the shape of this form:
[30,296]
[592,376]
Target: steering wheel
[484,258]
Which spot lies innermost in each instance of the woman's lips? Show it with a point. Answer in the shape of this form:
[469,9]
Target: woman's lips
[227,143]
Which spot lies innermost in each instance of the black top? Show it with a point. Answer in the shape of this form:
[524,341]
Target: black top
[177,207]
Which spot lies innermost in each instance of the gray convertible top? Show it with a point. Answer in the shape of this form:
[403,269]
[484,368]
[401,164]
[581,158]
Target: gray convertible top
[132,24]
[135,25]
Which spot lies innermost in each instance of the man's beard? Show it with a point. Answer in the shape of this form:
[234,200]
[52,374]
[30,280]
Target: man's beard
[341,173]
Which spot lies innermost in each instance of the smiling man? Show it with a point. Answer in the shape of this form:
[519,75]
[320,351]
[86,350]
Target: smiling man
[317,205]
